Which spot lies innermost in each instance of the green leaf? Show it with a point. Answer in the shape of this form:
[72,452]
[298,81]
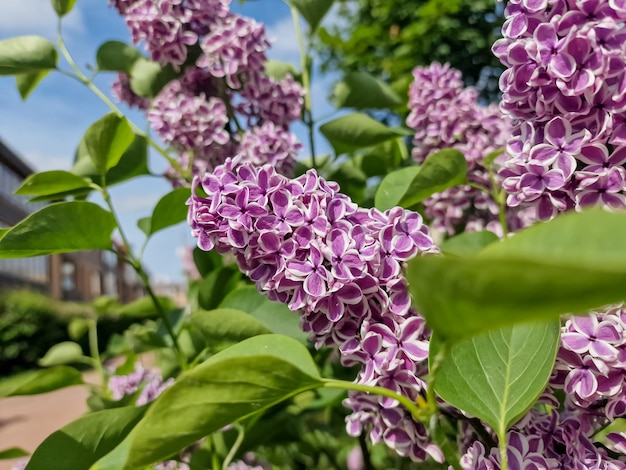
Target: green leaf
[25,54]
[313,11]
[361,90]
[384,158]
[77,328]
[117,56]
[275,316]
[107,139]
[147,78]
[51,183]
[40,381]
[63,7]
[355,131]
[170,210]
[394,186]
[227,325]
[440,171]
[81,443]
[144,307]
[238,382]
[26,82]
[65,352]
[60,228]
[468,243]
[498,376]
[491,158]
[13,453]
[278,70]
[213,288]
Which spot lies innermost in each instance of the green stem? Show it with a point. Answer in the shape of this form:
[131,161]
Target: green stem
[95,350]
[417,413]
[233,450]
[504,457]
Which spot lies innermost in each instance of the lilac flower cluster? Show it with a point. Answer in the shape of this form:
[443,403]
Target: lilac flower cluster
[123,93]
[148,382]
[445,114]
[308,246]
[565,87]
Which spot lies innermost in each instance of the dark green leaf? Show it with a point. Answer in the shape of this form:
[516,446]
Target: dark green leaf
[170,210]
[313,11]
[60,228]
[468,243]
[356,131]
[63,7]
[227,325]
[498,376]
[384,158]
[24,54]
[279,70]
[147,78]
[50,183]
[440,171]
[216,285]
[81,443]
[117,56]
[239,381]
[65,352]
[275,316]
[394,186]
[361,90]
[26,82]
[40,381]
[13,453]
[206,261]
[107,139]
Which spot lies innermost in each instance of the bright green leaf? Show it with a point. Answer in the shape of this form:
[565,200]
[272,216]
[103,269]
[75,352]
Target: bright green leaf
[468,243]
[313,11]
[278,70]
[63,7]
[81,443]
[147,78]
[25,54]
[26,82]
[65,352]
[498,376]
[144,307]
[117,56]
[170,210]
[60,228]
[13,453]
[50,183]
[275,316]
[394,186]
[491,158]
[440,171]
[355,131]
[40,381]
[227,325]
[238,382]
[77,328]
[361,90]
[107,139]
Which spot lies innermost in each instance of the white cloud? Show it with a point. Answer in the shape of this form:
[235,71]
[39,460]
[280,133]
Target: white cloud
[282,35]
[36,17]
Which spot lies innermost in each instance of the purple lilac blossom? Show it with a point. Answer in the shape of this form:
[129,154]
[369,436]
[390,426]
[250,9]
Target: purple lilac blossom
[445,114]
[306,245]
[148,382]
[565,89]
[21,465]
[271,144]
[123,93]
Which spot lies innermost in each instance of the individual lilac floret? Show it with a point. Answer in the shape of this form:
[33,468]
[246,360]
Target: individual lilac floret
[565,89]
[148,382]
[271,144]
[160,24]
[234,47]
[122,5]
[123,93]
[305,244]
[203,14]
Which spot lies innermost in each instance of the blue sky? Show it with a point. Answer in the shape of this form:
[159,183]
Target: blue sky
[46,129]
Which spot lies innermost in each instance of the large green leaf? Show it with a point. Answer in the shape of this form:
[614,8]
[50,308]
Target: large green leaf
[313,11]
[117,56]
[227,325]
[235,383]
[51,183]
[63,7]
[356,131]
[147,78]
[60,228]
[394,186]
[65,352]
[144,307]
[498,376]
[275,316]
[361,90]
[571,264]
[279,70]
[26,54]
[107,139]
[170,210]
[81,443]
[214,287]
[440,171]
[468,243]
[26,82]
[40,381]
